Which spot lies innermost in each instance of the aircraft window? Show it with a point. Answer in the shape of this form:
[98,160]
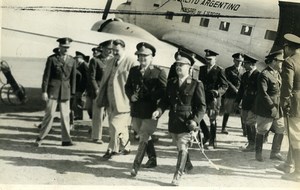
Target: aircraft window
[204,22]
[224,26]
[169,15]
[186,18]
[270,35]
[155,5]
[246,30]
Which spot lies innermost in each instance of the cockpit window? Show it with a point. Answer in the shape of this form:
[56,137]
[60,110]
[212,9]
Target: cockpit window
[169,15]
[204,22]
[270,35]
[246,30]
[224,26]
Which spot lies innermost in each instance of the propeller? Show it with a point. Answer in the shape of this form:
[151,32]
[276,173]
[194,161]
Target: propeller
[106,10]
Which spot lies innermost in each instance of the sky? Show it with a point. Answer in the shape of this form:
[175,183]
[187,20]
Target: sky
[12,16]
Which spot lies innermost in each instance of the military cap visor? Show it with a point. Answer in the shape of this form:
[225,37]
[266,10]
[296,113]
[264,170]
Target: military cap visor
[64,42]
[144,48]
[184,58]
[210,53]
[106,44]
[96,49]
[249,59]
[277,55]
[292,38]
[79,54]
[238,56]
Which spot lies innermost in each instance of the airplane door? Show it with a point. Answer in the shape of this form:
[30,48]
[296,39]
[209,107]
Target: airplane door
[289,17]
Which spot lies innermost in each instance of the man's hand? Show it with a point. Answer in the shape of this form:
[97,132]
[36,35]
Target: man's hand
[156,114]
[192,125]
[215,93]
[134,97]
[45,96]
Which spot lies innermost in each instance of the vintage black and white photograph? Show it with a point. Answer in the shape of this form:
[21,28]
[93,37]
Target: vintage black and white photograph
[197,94]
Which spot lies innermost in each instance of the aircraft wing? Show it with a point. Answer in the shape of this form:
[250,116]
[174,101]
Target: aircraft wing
[39,39]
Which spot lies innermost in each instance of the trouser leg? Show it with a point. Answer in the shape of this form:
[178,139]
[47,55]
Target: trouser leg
[205,131]
[47,122]
[138,158]
[65,118]
[151,163]
[224,123]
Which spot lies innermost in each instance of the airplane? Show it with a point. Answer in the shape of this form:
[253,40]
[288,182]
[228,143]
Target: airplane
[225,26]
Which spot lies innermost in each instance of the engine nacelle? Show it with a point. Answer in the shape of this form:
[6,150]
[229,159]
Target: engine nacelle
[117,26]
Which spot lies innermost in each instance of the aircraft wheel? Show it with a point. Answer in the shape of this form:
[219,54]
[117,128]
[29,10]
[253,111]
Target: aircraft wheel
[13,98]
[4,91]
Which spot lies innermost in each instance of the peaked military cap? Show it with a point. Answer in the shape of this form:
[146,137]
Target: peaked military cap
[276,54]
[107,44]
[96,49]
[238,56]
[183,57]
[79,54]
[56,50]
[65,42]
[145,49]
[210,53]
[249,59]
[292,38]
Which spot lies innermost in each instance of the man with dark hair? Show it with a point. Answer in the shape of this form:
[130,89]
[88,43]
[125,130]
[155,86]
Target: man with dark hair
[268,112]
[215,85]
[112,95]
[96,69]
[185,97]
[145,87]
[233,75]
[58,85]
[290,100]
[247,93]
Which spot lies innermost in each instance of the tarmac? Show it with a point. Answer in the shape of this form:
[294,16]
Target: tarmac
[51,166]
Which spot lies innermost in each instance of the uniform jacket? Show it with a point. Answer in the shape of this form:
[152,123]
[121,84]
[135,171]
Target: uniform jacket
[233,76]
[186,102]
[213,80]
[59,79]
[150,88]
[248,90]
[290,91]
[119,81]
[96,68]
[82,73]
[268,94]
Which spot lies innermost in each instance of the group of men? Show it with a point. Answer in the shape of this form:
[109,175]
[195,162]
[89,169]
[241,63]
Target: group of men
[137,94]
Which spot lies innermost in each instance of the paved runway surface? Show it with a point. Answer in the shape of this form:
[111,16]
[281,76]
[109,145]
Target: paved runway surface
[23,163]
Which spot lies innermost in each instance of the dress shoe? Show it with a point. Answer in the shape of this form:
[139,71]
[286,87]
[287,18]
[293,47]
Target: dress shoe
[284,167]
[276,156]
[67,143]
[125,152]
[38,142]
[248,148]
[151,163]
[98,141]
[224,131]
[108,155]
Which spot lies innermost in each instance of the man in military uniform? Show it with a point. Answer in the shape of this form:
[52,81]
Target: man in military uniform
[247,93]
[290,100]
[58,85]
[145,86]
[267,107]
[233,75]
[215,85]
[81,84]
[185,98]
[96,69]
